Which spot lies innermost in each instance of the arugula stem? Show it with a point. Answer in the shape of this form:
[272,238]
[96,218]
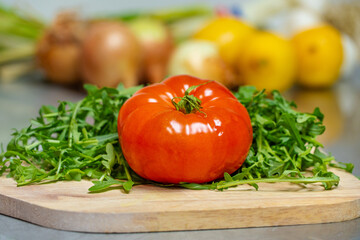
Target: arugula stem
[311,140]
[53,141]
[21,156]
[121,161]
[85,133]
[275,180]
[268,148]
[50,115]
[88,142]
[107,137]
[102,177]
[86,156]
[73,125]
[293,162]
[295,133]
[33,145]
[259,140]
[53,129]
[59,164]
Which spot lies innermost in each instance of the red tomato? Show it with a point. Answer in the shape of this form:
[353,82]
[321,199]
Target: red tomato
[165,145]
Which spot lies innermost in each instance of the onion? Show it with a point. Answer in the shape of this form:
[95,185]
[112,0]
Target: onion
[111,54]
[202,59]
[58,50]
[157,44]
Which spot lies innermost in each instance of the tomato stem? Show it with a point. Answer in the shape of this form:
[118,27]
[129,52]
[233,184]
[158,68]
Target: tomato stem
[189,103]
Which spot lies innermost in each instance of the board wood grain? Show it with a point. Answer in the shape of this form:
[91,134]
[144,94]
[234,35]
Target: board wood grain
[69,206]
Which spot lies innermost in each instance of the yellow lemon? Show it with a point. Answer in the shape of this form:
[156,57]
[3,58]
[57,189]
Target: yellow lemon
[228,33]
[267,62]
[319,54]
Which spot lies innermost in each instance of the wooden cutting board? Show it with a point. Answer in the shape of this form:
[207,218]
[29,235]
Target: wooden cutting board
[69,206]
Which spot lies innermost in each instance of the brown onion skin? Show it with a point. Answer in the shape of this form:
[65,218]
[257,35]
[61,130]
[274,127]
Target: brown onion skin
[110,54]
[58,49]
[156,58]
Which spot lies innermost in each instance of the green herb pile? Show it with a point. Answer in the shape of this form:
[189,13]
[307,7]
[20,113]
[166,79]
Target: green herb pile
[77,141]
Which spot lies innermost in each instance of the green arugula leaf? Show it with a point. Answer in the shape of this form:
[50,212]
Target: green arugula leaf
[109,158]
[128,185]
[227,177]
[197,186]
[103,185]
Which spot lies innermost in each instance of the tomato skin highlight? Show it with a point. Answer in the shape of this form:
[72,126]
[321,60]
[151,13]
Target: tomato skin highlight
[165,145]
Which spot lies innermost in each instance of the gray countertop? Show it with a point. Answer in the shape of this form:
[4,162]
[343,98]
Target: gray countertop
[21,99]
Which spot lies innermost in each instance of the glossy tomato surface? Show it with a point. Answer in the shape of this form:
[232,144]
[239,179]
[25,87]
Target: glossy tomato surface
[165,145]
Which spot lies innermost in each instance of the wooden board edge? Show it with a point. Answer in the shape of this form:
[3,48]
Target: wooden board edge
[177,221]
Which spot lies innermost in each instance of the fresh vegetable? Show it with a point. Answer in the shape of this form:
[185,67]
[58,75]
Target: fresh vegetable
[229,34]
[268,61]
[319,54]
[157,45]
[70,142]
[18,34]
[20,28]
[58,50]
[201,59]
[184,130]
[80,141]
[284,145]
[19,23]
[111,54]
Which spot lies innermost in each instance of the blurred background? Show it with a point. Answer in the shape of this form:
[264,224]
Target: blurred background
[309,50]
